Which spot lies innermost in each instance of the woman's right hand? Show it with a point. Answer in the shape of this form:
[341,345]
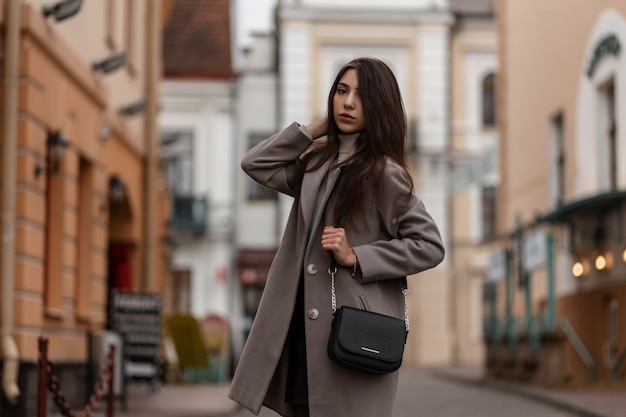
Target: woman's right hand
[318,128]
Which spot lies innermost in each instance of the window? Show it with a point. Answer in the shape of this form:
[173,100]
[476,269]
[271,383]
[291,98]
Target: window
[177,160]
[489,100]
[86,208]
[488,203]
[611,130]
[54,240]
[557,163]
[605,142]
[256,192]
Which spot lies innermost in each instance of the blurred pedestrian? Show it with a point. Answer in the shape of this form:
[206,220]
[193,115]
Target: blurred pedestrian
[353,197]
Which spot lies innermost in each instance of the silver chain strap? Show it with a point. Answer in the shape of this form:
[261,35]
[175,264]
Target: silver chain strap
[333,298]
[405,292]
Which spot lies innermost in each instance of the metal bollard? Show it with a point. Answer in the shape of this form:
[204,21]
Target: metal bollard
[46,374]
[42,376]
[111,366]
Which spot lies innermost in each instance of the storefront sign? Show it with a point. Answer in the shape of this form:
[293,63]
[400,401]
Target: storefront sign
[497,266]
[534,251]
[137,318]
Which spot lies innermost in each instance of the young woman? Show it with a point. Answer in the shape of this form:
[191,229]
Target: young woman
[353,197]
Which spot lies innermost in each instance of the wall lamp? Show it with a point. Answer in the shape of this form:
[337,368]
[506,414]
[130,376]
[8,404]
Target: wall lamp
[55,145]
[117,189]
[132,109]
[601,261]
[109,64]
[62,10]
[105,132]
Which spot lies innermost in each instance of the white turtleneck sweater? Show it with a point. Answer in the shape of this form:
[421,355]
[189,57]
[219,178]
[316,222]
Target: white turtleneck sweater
[347,143]
[347,147]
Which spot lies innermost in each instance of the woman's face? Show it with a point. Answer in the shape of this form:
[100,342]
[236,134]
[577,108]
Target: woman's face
[348,109]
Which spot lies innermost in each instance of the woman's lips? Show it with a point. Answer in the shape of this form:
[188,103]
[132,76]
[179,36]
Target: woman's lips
[346,117]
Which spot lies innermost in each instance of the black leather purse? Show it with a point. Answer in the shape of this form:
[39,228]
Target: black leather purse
[364,340]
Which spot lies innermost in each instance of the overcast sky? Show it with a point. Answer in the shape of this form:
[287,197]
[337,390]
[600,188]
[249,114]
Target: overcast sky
[253,16]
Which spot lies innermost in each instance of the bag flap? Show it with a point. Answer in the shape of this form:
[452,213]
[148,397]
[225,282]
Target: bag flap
[371,334]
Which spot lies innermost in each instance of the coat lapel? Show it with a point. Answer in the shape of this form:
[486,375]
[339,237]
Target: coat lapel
[309,192]
[311,184]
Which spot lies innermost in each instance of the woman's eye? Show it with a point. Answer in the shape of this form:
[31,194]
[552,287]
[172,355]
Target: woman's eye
[342,91]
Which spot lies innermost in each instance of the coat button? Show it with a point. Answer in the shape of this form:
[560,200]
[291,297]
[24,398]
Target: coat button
[313,313]
[311,269]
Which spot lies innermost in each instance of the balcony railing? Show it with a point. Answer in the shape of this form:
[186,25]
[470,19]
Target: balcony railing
[190,214]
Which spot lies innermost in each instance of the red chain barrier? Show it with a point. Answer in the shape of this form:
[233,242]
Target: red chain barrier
[46,374]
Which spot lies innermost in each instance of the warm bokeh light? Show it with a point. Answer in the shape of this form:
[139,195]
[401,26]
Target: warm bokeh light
[600,262]
[624,255]
[578,269]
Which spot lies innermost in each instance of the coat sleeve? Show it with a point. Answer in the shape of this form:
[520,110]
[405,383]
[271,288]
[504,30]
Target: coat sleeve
[414,243]
[274,162]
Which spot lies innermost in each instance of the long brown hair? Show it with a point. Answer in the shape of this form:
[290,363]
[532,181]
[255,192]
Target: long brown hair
[384,136]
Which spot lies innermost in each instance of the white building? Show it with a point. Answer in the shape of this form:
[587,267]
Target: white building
[258,218]
[197,125]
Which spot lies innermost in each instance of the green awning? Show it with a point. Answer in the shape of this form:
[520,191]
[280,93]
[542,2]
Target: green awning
[593,205]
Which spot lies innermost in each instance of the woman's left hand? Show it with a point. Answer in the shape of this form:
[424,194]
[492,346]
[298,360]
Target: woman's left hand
[334,240]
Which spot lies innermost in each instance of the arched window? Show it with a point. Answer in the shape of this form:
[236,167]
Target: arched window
[489,100]
[608,132]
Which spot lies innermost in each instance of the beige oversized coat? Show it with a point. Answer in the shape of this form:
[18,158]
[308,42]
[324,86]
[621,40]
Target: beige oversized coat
[394,245]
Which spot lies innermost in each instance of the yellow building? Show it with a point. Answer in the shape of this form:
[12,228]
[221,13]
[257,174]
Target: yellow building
[83,210]
[556,296]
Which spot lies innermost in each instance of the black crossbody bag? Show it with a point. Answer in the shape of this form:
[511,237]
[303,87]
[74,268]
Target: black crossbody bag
[363,340]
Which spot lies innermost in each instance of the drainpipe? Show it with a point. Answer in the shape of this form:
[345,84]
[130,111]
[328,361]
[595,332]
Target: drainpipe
[152,71]
[11,69]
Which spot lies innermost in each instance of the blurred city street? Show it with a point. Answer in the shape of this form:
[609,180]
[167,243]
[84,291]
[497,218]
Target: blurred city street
[138,243]
[433,392]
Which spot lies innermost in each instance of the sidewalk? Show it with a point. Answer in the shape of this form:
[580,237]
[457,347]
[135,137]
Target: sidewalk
[189,400]
[587,402]
[210,400]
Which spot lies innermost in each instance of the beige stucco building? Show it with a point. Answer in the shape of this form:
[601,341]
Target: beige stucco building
[474,175]
[83,210]
[556,291]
